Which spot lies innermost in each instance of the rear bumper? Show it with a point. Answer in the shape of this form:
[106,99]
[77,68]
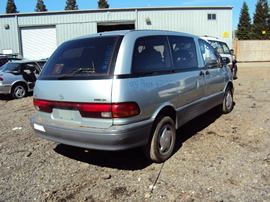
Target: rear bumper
[111,139]
[5,89]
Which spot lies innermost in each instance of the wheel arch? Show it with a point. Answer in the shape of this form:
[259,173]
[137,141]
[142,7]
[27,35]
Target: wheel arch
[165,110]
[19,83]
[230,85]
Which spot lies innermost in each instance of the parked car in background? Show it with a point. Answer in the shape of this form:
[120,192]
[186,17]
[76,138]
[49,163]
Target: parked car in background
[4,58]
[223,49]
[125,89]
[17,78]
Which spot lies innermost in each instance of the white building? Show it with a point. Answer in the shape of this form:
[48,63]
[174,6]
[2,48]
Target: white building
[37,35]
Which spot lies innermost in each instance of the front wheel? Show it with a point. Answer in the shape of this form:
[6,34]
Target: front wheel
[234,71]
[18,91]
[227,104]
[161,146]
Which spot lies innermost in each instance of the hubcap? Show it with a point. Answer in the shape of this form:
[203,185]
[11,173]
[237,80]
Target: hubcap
[19,91]
[165,140]
[229,100]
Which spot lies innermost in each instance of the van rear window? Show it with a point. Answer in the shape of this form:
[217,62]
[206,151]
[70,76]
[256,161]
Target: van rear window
[81,59]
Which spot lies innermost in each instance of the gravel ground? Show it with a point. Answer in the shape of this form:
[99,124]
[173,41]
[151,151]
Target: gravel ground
[217,158]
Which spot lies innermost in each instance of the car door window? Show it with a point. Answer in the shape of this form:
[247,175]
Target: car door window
[151,54]
[226,49]
[13,68]
[183,52]
[30,72]
[210,56]
[217,46]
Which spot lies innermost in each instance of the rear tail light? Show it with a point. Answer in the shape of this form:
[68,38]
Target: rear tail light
[1,79]
[124,110]
[92,110]
[42,105]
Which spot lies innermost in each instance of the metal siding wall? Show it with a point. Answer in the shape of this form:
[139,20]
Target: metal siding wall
[67,18]
[189,21]
[9,37]
[69,31]
[71,25]
[184,20]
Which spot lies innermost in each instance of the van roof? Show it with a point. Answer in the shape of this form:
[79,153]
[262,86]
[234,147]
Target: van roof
[125,32]
[211,38]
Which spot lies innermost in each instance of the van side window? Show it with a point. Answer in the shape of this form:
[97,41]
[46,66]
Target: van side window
[151,54]
[183,52]
[209,54]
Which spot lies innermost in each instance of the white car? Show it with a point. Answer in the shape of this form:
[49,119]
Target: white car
[223,49]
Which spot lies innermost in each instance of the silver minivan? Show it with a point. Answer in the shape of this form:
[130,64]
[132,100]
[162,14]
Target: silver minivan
[124,89]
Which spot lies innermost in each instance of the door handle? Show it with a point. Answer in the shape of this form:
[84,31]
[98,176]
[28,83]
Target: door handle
[202,73]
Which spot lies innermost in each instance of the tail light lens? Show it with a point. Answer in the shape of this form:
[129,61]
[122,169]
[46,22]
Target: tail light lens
[1,79]
[92,110]
[124,110]
[42,105]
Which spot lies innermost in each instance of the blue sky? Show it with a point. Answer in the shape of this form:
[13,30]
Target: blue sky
[27,6]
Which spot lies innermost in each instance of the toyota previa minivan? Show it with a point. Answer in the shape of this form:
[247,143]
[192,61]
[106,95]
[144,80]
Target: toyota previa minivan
[124,89]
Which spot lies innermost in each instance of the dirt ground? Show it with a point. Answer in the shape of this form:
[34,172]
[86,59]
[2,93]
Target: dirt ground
[217,158]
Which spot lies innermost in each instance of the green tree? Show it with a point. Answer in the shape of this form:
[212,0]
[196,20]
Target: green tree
[11,7]
[259,22]
[40,6]
[267,17]
[71,5]
[103,4]
[244,25]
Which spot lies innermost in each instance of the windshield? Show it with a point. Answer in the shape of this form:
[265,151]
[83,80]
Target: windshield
[79,59]
[11,68]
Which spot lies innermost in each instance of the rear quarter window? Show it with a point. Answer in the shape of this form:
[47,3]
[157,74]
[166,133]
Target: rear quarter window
[151,54]
[81,59]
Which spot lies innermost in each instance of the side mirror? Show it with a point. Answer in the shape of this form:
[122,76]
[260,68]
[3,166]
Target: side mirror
[224,61]
[231,51]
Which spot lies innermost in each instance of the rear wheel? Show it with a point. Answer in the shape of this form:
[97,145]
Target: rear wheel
[18,91]
[161,146]
[227,104]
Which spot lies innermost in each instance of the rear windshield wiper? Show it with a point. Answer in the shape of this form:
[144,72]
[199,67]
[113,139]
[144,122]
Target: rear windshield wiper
[75,71]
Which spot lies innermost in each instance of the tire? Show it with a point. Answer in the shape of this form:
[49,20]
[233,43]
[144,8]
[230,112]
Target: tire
[234,72]
[227,104]
[18,91]
[161,145]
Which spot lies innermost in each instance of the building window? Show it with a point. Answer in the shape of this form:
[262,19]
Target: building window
[211,16]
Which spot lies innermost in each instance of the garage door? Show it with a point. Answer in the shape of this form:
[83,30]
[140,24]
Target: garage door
[38,42]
